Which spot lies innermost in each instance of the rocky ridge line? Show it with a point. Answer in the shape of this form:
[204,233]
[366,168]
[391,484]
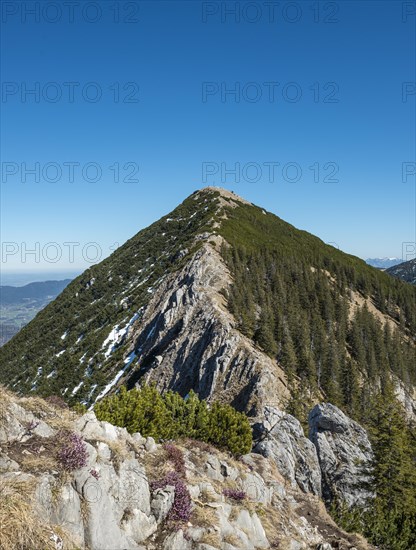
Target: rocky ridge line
[109,503]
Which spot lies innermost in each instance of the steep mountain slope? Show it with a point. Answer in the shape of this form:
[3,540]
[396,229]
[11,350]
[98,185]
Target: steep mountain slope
[225,298]
[405,271]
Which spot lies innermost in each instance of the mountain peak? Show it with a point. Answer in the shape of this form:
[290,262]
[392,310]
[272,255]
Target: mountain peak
[225,193]
[217,297]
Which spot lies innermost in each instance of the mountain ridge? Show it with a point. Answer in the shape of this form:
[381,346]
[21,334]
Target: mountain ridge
[92,333]
[406,271]
[383,263]
[228,300]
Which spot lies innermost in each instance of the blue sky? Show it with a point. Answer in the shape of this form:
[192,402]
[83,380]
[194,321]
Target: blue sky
[152,95]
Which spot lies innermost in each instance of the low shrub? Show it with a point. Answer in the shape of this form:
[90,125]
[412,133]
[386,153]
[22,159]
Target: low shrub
[170,416]
[95,474]
[72,452]
[235,494]
[180,512]
[56,401]
[175,455]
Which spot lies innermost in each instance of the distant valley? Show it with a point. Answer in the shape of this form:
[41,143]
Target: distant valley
[19,305]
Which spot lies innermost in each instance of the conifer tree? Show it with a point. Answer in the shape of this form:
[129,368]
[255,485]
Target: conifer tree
[394,452]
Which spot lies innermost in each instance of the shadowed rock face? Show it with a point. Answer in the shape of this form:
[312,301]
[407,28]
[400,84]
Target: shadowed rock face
[334,462]
[187,340]
[344,453]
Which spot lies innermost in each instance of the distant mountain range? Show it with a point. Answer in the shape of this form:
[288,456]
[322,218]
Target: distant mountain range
[405,271]
[383,263]
[19,305]
[31,292]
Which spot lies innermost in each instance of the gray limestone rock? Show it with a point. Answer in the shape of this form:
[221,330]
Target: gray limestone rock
[344,453]
[294,454]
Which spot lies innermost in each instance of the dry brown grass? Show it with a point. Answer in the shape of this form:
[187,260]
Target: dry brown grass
[232,539]
[212,538]
[233,514]
[204,516]
[207,494]
[37,454]
[156,465]
[6,398]
[36,463]
[57,418]
[85,509]
[21,528]
[119,453]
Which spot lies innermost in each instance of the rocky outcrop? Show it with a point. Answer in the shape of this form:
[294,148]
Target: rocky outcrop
[334,462]
[188,340]
[282,439]
[344,454]
[115,501]
[406,395]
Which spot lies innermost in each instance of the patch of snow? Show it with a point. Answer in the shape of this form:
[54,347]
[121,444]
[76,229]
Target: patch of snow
[127,362]
[129,359]
[74,391]
[51,374]
[60,353]
[64,335]
[90,283]
[79,339]
[91,392]
[38,373]
[117,334]
[110,385]
[111,339]
[82,358]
